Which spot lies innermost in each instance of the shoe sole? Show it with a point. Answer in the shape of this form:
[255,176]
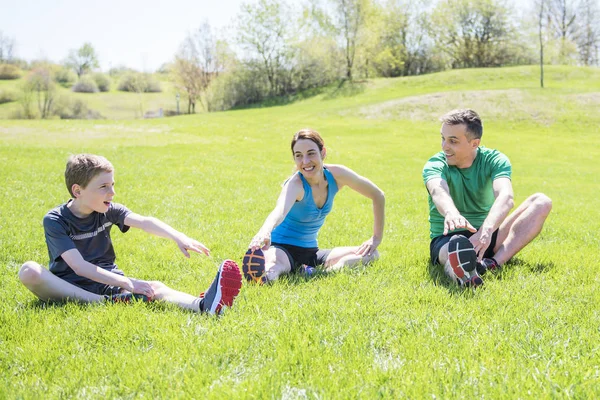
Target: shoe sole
[253,266]
[228,286]
[460,248]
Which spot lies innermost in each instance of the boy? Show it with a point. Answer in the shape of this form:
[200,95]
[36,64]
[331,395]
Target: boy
[82,259]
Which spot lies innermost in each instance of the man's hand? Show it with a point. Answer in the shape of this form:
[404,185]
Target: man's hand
[186,243]
[481,241]
[455,221]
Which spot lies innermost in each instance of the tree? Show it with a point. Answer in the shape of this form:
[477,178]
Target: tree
[346,19]
[404,45]
[7,47]
[264,32]
[588,35]
[39,84]
[82,60]
[542,15]
[473,33]
[196,64]
[563,18]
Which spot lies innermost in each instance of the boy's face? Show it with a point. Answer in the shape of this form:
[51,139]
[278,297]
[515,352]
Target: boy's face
[98,194]
[459,150]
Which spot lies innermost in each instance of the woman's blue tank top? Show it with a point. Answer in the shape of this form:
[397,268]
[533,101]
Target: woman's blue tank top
[301,225]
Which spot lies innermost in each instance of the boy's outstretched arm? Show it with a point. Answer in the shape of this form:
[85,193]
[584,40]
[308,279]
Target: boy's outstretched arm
[75,260]
[157,227]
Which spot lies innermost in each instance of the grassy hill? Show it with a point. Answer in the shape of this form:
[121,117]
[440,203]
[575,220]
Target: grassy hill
[394,329]
[112,105]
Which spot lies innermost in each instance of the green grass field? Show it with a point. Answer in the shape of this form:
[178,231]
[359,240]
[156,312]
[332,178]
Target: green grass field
[395,329]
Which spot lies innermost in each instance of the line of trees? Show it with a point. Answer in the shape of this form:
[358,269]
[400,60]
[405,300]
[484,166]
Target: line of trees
[284,48]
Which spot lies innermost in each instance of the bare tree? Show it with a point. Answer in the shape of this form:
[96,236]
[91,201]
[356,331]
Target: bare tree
[7,47]
[563,18]
[196,64]
[542,15]
[588,36]
[39,84]
[264,31]
[346,19]
[83,59]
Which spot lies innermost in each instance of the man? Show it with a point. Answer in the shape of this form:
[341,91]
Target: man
[470,196]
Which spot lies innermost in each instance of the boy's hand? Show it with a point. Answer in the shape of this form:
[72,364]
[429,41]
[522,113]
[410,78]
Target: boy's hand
[185,243]
[142,287]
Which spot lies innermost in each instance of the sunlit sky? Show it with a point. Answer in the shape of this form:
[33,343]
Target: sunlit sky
[141,34]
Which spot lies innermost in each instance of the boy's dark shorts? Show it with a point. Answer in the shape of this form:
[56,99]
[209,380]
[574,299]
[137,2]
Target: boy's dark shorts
[439,241]
[310,256]
[95,287]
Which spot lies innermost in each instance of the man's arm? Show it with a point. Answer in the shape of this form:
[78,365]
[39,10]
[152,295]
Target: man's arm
[503,192]
[156,227]
[440,194]
[88,270]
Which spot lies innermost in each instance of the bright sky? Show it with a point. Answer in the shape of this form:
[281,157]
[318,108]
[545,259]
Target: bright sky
[141,34]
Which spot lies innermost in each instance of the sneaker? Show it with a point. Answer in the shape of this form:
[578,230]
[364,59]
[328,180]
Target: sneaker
[473,282]
[253,266]
[127,298]
[487,264]
[307,270]
[463,260]
[223,290]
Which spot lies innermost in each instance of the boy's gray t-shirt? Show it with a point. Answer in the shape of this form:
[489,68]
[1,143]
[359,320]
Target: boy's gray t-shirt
[90,235]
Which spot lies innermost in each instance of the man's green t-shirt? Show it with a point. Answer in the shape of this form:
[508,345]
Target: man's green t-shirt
[470,188]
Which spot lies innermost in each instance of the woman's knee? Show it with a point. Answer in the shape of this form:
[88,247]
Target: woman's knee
[374,256]
[30,273]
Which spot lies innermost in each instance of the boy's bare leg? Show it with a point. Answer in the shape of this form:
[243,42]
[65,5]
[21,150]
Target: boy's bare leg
[48,287]
[183,300]
[346,257]
[522,226]
[277,263]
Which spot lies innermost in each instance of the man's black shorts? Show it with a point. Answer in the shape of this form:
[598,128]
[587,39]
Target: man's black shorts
[439,241]
[310,256]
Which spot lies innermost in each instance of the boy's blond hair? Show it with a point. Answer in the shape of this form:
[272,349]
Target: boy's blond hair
[82,168]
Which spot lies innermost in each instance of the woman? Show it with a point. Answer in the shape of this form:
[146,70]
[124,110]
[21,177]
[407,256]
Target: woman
[289,234]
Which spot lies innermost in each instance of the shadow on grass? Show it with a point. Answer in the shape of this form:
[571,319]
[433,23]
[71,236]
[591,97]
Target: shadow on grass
[38,304]
[439,278]
[534,267]
[342,89]
[346,89]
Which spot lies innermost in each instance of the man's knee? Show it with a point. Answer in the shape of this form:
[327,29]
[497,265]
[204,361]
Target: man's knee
[542,203]
[30,273]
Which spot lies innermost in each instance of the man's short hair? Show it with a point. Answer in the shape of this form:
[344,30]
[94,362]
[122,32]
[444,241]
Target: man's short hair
[467,117]
[82,168]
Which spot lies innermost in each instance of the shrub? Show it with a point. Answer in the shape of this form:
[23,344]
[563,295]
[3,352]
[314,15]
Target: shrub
[9,71]
[68,108]
[86,84]
[102,81]
[65,77]
[7,96]
[137,82]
